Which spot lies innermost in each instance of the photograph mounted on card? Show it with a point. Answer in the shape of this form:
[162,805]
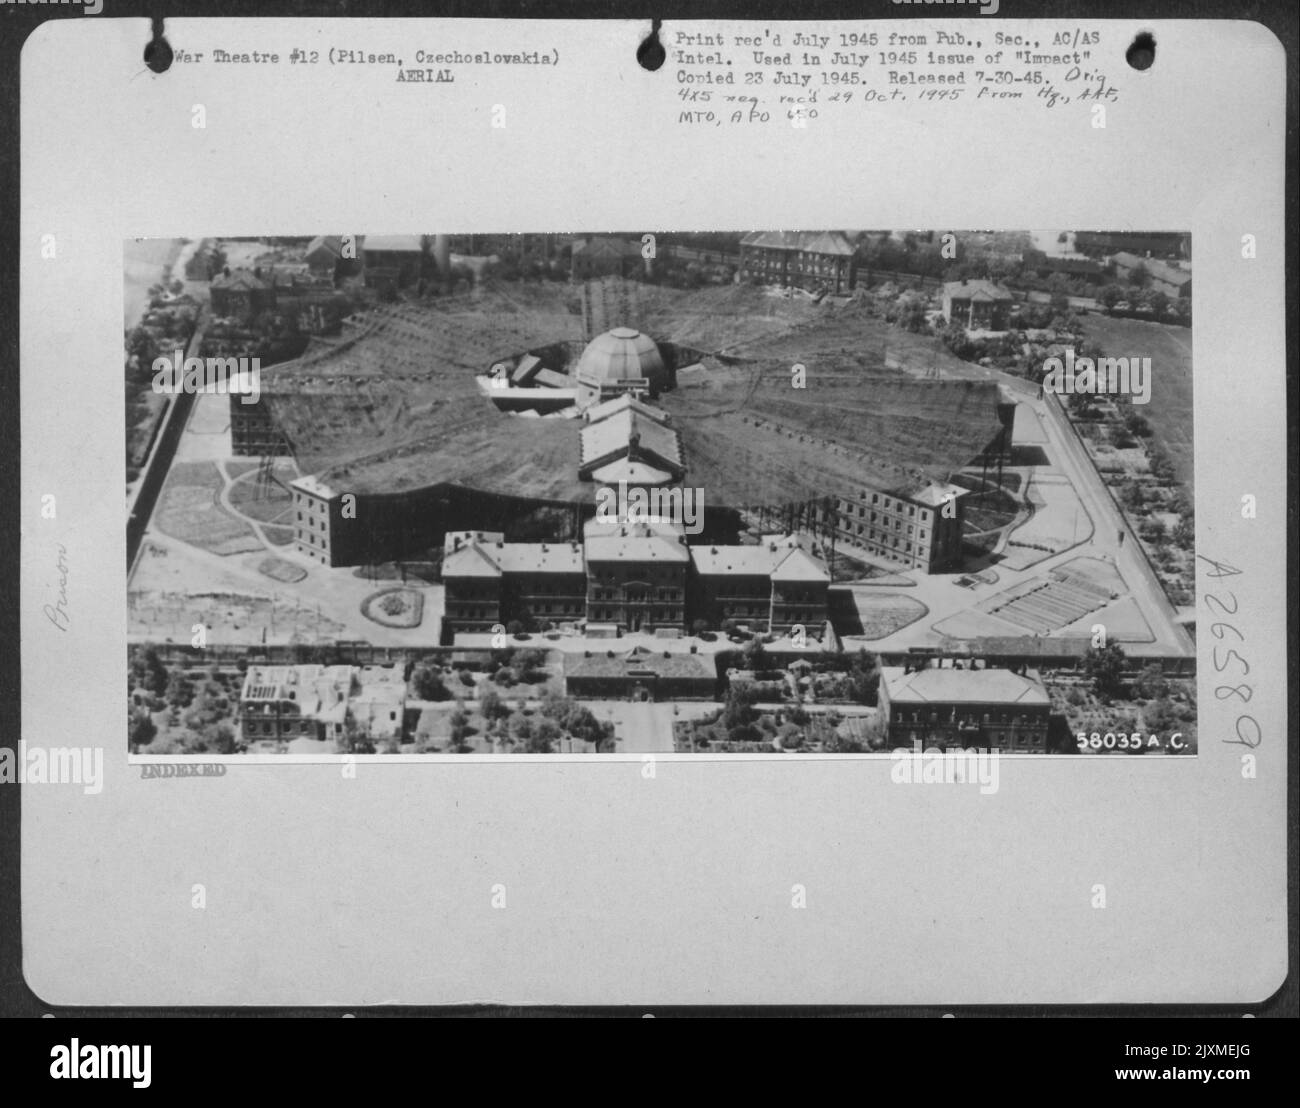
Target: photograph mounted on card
[846,456]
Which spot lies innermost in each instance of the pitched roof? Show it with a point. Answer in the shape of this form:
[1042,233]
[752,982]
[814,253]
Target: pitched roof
[811,242]
[240,279]
[1158,269]
[936,494]
[486,554]
[331,243]
[607,408]
[977,289]
[966,686]
[781,559]
[636,542]
[613,434]
[799,565]
[640,660]
[539,557]
[395,244]
[631,473]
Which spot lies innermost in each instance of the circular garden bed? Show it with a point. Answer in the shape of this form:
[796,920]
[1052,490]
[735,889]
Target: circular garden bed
[394,607]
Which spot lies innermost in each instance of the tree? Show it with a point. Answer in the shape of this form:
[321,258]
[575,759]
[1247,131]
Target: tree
[738,709]
[141,729]
[1082,405]
[545,734]
[911,314]
[1185,533]
[864,677]
[1137,425]
[427,684]
[219,738]
[1159,304]
[1110,295]
[518,728]
[150,671]
[1105,665]
[529,660]
[1151,683]
[180,690]
[700,627]
[492,706]
[755,656]
[460,732]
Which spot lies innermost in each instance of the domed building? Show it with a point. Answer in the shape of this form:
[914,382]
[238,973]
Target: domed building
[620,361]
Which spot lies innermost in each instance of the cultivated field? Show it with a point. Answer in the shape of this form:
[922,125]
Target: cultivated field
[1170,350]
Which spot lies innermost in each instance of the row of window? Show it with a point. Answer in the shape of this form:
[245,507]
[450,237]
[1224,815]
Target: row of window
[1017,718]
[1000,739]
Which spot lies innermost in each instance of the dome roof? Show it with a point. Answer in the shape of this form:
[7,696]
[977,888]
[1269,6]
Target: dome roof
[621,355]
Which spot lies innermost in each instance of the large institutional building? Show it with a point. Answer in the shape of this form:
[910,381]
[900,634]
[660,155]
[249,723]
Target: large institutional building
[818,259]
[629,576]
[609,416]
[947,707]
[916,529]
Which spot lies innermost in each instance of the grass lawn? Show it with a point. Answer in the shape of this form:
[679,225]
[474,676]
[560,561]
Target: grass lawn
[1170,350]
[189,511]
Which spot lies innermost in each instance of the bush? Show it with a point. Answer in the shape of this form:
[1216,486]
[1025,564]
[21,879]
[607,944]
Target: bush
[427,684]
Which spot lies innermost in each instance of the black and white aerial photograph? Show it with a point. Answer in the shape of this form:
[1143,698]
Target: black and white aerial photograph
[770,493]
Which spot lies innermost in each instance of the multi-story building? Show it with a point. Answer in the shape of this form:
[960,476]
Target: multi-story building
[946,707]
[977,305]
[772,586]
[918,529]
[490,582]
[339,528]
[241,295]
[636,575]
[631,576]
[283,703]
[395,261]
[804,259]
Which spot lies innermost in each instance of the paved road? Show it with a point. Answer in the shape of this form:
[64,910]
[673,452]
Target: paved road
[644,728]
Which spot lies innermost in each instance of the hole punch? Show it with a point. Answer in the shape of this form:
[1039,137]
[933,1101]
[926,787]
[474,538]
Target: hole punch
[651,54]
[158,51]
[1141,53]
